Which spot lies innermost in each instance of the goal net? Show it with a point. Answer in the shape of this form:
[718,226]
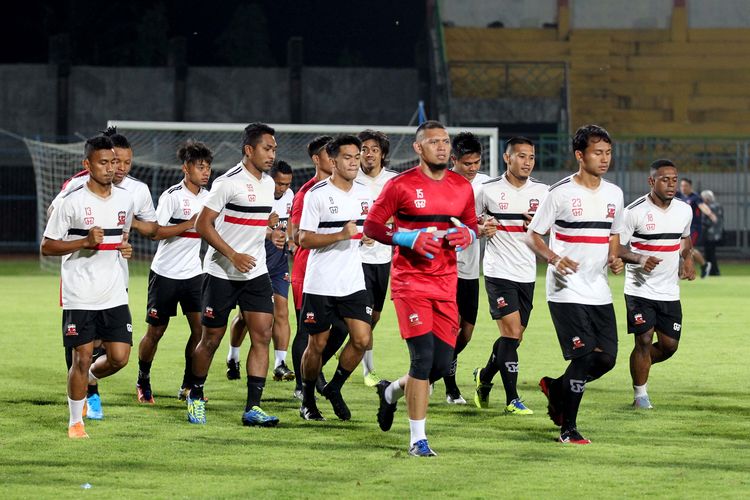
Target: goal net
[154,159]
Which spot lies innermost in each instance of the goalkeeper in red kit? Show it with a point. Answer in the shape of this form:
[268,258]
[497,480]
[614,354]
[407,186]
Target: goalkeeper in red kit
[433,218]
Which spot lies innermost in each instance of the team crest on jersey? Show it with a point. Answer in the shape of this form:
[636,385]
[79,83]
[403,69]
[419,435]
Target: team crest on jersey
[310,317]
[414,319]
[209,312]
[153,313]
[420,202]
[610,210]
[70,330]
[533,204]
[638,319]
[121,218]
[577,343]
[365,208]
[501,302]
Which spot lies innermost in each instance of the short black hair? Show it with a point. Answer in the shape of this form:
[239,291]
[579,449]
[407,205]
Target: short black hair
[254,132]
[382,140]
[194,151]
[315,146]
[588,132]
[428,125]
[95,144]
[465,143]
[662,162]
[280,167]
[118,140]
[519,139]
[687,180]
[333,147]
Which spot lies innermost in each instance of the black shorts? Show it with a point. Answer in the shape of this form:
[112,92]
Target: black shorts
[164,294]
[467,300]
[661,315]
[81,326]
[376,282]
[506,297]
[319,312]
[220,296]
[581,328]
[280,280]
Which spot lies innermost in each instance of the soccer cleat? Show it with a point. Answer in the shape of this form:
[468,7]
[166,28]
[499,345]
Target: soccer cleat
[455,399]
[482,392]
[196,410]
[421,449]
[642,403]
[282,372]
[554,412]
[321,383]
[297,394]
[371,379]
[310,413]
[572,436]
[94,407]
[233,369]
[516,407]
[386,410]
[256,417]
[145,395]
[183,393]
[77,431]
[338,403]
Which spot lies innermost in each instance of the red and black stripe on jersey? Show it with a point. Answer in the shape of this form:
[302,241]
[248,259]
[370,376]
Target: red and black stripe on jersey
[107,233]
[265,212]
[578,231]
[667,242]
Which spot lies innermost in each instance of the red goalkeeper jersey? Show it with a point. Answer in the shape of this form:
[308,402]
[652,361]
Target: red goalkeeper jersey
[416,201]
[299,264]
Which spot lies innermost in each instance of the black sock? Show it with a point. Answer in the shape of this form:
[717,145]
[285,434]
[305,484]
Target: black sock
[255,387]
[601,363]
[92,389]
[308,393]
[144,369]
[573,386]
[298,349]
[339,377]
[487,373]
[186,376]
[451,388]
[506,361]
[196,389]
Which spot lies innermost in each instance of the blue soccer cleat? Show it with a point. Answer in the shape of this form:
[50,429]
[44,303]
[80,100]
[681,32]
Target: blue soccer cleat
[256,417]
[94,407]
[196,410]
[421,449]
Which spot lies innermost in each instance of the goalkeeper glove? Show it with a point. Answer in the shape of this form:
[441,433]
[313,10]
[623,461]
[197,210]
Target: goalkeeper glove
[461,236]
[424,243]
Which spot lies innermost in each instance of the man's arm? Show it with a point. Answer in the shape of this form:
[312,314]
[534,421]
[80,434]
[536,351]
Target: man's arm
[687,268]
[145,228]
[55,248]
[311,239]
[205,227]
[165,232]
[706,210]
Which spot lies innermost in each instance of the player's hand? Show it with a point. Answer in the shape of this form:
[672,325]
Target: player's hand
[242,262]
[192,220]
[565,266]
[424,243]
[273,220]
[95,236]
[615,264]
[125,248]
[460,236]
[292,247]
[349,230]
[649,263]
[278,238]
[367,241]
[527,217]
[687,269]
[490,227]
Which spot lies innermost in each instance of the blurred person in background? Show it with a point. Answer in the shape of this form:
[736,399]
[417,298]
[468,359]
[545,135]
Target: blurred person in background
[713,231]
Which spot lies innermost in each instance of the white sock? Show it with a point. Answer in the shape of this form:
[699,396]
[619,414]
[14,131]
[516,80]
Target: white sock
[640,390]
[76,410]
[367,364]
[92,378]
[280,357]
[393,392]
[417,430]
[234,353]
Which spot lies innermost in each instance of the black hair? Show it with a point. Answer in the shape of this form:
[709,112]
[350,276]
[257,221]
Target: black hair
[465,143]
[657,164]
[519,139]
[333,147]
[315,146]
[95,144]
[381,139]
[687,180]
[428,125]
[280,167]
[586,134]
[194,151]
[254,132]
[118,140]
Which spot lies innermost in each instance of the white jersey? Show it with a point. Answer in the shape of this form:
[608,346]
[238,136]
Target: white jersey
[656,231]
[278,259]
[178,257]
[467,260]
[377,253]
[92,279]
[244,204]
[335,270]
[506,255]
[580,221]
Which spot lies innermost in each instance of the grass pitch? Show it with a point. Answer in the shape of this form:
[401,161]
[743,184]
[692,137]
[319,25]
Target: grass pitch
[695,443]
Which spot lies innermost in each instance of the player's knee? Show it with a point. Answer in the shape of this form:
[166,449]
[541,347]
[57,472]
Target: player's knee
[116,361]
[668,347]
[643,342]
[604,362]
[155,333]
[421,354]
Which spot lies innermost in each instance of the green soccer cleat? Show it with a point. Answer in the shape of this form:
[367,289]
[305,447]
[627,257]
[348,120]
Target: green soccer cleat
[482,392]
[372,379]
[196,410]
[516,407]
